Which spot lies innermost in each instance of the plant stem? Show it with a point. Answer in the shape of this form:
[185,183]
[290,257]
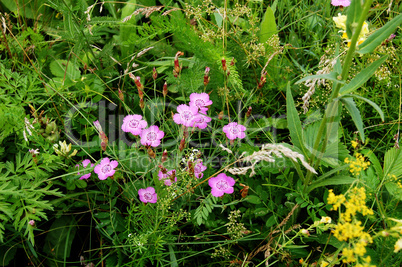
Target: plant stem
[331,110]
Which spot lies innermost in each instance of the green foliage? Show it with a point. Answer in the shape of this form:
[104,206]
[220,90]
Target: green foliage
[73,65]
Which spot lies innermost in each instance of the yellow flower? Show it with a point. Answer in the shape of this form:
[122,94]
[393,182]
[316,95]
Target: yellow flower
[354,143]
[398,245]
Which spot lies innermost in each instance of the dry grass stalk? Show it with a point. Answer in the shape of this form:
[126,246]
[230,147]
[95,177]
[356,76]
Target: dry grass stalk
[270,237]
[267,153]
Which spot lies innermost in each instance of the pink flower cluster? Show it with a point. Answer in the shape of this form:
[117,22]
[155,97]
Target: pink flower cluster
[135,125]
[168,177]
[199,168]
[194,115]
[104,169]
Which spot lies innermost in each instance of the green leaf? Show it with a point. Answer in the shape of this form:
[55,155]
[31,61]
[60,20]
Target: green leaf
[362,76]
[374,105]
[260,212]
[63,68]
[393,162]
[394,190]
[268,25]
[60,237]
[340,179]
[374,162]
[253,199]
[379,36]
[355,114]
[353,16]
[332,76]
[294,124]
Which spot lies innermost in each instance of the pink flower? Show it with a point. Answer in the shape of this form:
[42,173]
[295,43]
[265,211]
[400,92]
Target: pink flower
[200,101]
[202,121]
[221,184]
[187,116]
[84,163]
[98,126]
[344,3]
[133,124]
[198,169]
[166,177]
[148,195]
[234,130]
[151,136]
[31,223]
[105,168]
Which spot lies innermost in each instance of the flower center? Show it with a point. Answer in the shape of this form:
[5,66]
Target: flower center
[187,115]
[148,196]
[151,136]
[133,123]
[197,168]
[234,130]
[222,185]
[199,103]
[106,168]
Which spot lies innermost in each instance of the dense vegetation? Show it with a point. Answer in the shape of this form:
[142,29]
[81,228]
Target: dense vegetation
[200,133]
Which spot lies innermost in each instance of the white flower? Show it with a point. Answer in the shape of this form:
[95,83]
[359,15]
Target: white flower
[326,219]
[398,245]
[340,21]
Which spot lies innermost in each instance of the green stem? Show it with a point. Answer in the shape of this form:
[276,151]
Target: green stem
[330,113]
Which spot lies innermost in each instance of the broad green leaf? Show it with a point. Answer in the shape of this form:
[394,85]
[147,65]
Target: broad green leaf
[126,29]
[374,162]
[394,190]
[268,26]
[353,16]
[65,69]
[260,212]
[218,19]
[294,124]
[60,237]
[362,76]
[340,179]
[379,36]
[355,114]
[393,162]
[332,76]
[253,199]
[374,105]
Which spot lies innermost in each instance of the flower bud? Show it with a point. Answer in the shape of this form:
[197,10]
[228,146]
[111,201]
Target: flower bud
[220,116]
[151,153]
[121,95]
[232,62]
[182,144]
[154,73]
[305,232]
[177,67]
[163,169]
[224,67]
[164,156]
[165,90]
[206,76]
[248,112]
[263,79]
[142,105]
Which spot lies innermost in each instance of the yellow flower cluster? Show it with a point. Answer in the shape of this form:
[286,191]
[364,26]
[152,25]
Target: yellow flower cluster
[349,229]
[340,22]
[357,165]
